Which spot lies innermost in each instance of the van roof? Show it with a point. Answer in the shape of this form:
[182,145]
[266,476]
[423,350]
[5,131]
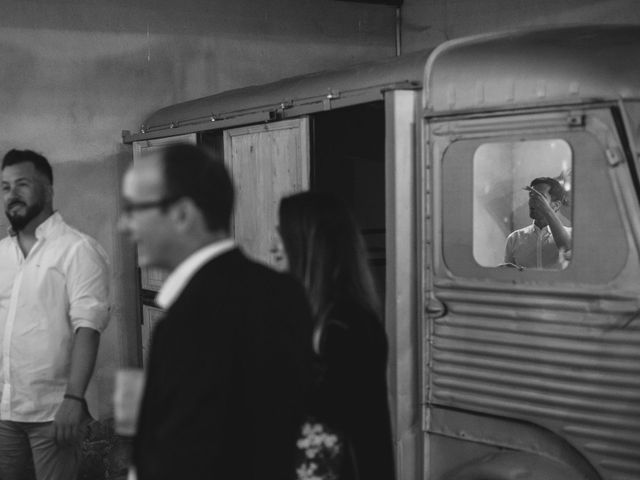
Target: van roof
[286,98]
[566,64]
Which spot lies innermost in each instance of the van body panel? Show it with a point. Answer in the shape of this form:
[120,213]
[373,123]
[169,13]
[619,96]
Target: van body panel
[514,466]
[469,443]
[554,349]
[402,115]
[580,64]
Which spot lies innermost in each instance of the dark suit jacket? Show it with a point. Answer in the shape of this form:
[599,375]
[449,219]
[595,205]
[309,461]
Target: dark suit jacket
[228,371]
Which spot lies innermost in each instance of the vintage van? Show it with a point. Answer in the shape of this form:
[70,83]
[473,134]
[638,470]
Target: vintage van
[495,372]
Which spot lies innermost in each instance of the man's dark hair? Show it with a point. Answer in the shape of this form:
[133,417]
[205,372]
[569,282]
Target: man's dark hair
[556,190]
[189,171]
[40,163]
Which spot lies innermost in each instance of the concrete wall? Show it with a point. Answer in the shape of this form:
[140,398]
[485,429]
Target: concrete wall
[426,23]
[77,72]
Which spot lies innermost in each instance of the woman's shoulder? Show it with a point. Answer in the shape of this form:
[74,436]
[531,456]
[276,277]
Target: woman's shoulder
[354,336]
[347,319]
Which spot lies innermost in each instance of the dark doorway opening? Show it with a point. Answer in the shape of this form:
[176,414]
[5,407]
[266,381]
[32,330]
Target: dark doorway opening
[348,160]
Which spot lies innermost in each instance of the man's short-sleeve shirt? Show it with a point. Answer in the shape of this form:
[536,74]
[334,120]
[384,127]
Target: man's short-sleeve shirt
[62,285]
[533,247]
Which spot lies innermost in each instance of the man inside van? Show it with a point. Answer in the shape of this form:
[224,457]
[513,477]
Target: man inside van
[546,243]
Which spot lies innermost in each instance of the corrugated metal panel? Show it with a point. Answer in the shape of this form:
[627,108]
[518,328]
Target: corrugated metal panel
[566,65]
[564,370]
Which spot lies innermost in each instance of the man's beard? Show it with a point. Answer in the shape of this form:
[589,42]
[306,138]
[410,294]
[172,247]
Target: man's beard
[20,220]
[534,214]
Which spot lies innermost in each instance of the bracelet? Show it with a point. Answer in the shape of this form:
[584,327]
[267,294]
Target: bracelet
[75,397]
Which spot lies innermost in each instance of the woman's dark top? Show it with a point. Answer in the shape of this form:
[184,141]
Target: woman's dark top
[351,391]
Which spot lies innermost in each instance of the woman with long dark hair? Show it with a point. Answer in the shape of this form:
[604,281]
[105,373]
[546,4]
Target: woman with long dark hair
[325,251]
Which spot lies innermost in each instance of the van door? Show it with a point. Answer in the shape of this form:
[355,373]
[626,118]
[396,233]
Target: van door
[532,363]
[266,162]
[151,279]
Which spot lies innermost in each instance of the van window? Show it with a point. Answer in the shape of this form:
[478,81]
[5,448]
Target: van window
[479,198]
[521,195]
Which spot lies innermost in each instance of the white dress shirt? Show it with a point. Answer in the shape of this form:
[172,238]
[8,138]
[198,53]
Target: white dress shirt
[180,277]
[62,285]
[533,247]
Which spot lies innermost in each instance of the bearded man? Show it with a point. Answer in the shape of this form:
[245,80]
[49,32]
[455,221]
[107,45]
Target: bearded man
[53,307]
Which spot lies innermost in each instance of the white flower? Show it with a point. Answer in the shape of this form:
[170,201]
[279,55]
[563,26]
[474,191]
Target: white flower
[312,452]
[303,443]
[306,429]
[308,472]
[330,441]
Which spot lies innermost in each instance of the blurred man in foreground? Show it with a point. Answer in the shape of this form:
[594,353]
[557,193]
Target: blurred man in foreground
[228,367]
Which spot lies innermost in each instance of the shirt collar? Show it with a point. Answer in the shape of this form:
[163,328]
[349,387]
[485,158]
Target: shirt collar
[51,223]
[180,277]
[544,230]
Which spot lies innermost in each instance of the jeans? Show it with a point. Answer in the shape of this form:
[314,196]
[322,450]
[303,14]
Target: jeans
[20,441]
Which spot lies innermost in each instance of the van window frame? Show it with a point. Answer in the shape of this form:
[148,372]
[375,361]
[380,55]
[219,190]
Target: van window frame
[592,140]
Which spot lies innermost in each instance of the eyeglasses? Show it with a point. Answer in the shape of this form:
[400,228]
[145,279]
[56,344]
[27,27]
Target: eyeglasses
[129,207]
